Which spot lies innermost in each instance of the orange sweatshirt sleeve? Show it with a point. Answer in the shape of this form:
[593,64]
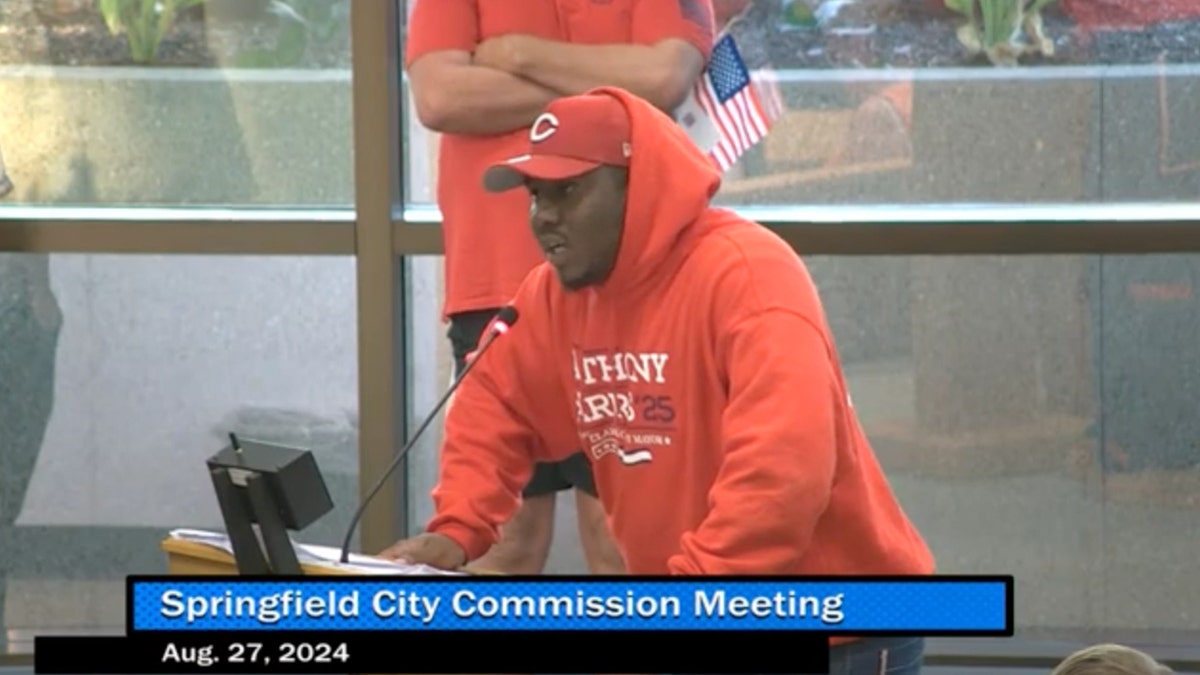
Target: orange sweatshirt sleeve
[780,435]
[491,439]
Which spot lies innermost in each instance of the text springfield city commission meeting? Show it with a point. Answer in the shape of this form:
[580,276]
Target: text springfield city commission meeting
[467,604]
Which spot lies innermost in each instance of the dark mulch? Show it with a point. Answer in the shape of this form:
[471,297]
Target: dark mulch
[866,33]
[234,29]
[910,33]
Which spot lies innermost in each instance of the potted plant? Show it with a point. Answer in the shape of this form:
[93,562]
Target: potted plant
[1003,30]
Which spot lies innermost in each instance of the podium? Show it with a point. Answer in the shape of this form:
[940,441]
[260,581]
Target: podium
[190,558]
[274,487]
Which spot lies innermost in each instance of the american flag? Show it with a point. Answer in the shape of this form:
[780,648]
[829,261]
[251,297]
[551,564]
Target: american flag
[730,109]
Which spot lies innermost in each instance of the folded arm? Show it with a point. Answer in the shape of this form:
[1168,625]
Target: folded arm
[452,95]
[669,42]
[661,73]
[780,451]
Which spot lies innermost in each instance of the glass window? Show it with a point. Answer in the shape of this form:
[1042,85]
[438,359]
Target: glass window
[227,104]
[421,145]
[1036,416]
[893,103]
[119,375]
[898,103]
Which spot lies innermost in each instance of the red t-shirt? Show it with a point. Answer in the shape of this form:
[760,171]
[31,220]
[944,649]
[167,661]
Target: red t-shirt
[489,249]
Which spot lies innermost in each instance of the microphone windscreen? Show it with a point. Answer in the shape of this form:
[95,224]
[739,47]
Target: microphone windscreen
[507,315]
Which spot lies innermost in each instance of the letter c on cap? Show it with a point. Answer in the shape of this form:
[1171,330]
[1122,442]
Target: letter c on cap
[543,127]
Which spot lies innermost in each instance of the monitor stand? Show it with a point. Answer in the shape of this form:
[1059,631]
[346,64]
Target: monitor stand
[241,507]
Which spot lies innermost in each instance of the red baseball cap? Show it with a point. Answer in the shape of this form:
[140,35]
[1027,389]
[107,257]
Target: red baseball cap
[575,134]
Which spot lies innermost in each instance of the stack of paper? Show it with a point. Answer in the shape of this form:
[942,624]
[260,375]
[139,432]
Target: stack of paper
[324,556]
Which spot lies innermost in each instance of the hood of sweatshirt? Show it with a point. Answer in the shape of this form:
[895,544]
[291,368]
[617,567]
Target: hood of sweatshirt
[670,185]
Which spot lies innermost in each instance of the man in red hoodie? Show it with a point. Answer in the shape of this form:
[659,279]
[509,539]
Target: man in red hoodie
[686,350]
[480,73]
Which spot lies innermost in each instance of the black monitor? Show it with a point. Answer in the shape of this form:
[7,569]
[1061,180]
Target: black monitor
[274,487]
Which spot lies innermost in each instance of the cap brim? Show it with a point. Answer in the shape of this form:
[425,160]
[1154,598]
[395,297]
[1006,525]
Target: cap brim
[514,172]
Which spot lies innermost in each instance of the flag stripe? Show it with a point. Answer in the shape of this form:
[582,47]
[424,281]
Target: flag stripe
[740,105]
[737,109]
[710,108]
[720,115]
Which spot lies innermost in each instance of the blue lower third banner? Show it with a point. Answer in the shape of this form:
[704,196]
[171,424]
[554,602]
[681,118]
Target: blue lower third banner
[701,625]
[980,606]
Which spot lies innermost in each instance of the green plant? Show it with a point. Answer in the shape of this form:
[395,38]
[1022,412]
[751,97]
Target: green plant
[143,22]
[1003,30]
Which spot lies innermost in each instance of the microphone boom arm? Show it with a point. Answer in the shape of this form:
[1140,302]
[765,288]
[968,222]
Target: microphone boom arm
[505,319]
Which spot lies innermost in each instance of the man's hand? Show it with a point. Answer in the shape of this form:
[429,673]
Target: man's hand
[509,53]
[435,550]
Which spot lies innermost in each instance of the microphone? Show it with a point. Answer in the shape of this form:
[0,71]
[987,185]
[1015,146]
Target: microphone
[505,319]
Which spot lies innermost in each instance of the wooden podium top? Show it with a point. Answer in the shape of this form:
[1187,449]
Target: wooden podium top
[193,558]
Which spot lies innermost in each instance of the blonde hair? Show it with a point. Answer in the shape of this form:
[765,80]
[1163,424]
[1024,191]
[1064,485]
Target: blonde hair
[1110,659]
